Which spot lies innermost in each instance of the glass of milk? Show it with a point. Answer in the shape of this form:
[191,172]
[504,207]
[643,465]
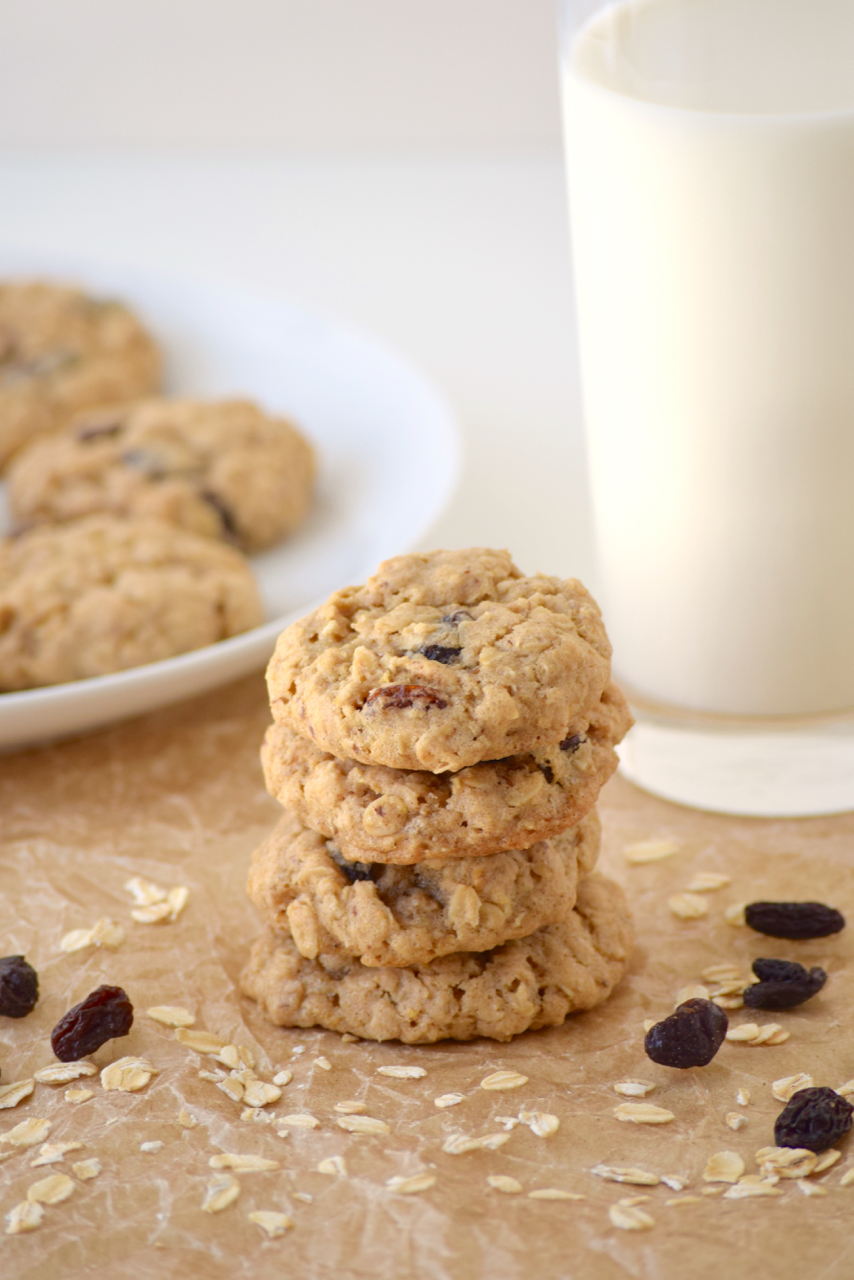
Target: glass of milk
[710,158]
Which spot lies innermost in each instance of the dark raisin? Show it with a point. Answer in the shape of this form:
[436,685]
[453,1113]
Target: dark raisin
[548,772]
[105,1014]
[396,697]
[782,984]
[573,743]
[814,1119]
[352,870]
[153,465]
[451,619]
[690,1037]
[19,987]
[224,512]
[793,919]
[440,653]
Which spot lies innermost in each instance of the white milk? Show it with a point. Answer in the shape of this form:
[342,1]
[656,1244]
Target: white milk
[711,172]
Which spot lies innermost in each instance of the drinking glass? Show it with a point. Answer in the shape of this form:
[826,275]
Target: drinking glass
[710,162]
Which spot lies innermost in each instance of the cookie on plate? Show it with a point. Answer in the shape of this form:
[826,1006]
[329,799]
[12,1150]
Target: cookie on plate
[104,594]
[528,983]
[62,351]
[377,814]
[440,661]
[387,915]
[222,469]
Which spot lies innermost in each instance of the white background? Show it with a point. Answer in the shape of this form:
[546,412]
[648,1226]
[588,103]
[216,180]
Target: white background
[396,162]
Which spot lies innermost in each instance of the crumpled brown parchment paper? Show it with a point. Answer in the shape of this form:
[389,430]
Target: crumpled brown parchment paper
[177,797]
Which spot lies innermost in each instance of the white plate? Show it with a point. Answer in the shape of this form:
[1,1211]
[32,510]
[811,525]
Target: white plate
[388,452]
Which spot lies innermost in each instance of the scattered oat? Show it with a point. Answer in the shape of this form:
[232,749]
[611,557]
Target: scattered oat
[501,1080]
[621,1173]
[410,1186]
[846,1089]
[674,1182]
[630,1218]
[688,906]
[448,1099]
[541,1123]
[743,1097]
[62,1072]
[29,1133]
[177,899]
[251,1115]
[220,1192]
[708,882]
[553,1193]
[811,1188]
[229,1085]
[53,1152]
[348,1038]
[643,1113]
[362,1124]
[104,933]
[826,1160]
[770,1033]
[459,1144]
[402,1073]
[281,1078]
[229,1056]
[694,992]
[185,1120]
[633,1088]
[201,1041]
[171,1015]
[53,1189]
[724,1166]
[79,1095]
[271,1223]
[24,1217]
[747,1032]
[300,1120]
[128,1075]
[150,1148]
[648,1024]
[145,892]
[733,987]
[12,1094]
[786,1162]
[501,1182]
[153,914]
[751,1185]
[728,1002]
[86,1169]
[847,1177]
[334,1165]
[714,1190]
[734,1121]
[259,1094]
[630,1200]
[649,851]
[304,1195]
[350,1108]
[242,1163]
[323,1063]
[735,916]
[788,1086]
[720,973]
[298,1048]
[216,1076]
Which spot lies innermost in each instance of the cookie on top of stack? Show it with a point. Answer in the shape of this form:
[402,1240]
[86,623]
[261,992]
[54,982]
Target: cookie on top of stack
[440,738]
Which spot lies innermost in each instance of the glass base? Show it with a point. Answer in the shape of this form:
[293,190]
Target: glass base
[765,769]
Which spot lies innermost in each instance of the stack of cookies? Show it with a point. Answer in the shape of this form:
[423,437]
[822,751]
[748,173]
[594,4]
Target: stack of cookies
[440,738]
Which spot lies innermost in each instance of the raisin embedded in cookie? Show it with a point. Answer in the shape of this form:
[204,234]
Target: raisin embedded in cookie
[377,814]
[386,915]
[529,983]
[62,351]
[104,594]
[222,469]
[440,661]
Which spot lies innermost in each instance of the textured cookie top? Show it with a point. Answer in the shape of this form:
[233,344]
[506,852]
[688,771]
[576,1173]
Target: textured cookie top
[224,470]
[104,594]
[377,814]
[440,661]
[387,915]
[62,351]
[528,983]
